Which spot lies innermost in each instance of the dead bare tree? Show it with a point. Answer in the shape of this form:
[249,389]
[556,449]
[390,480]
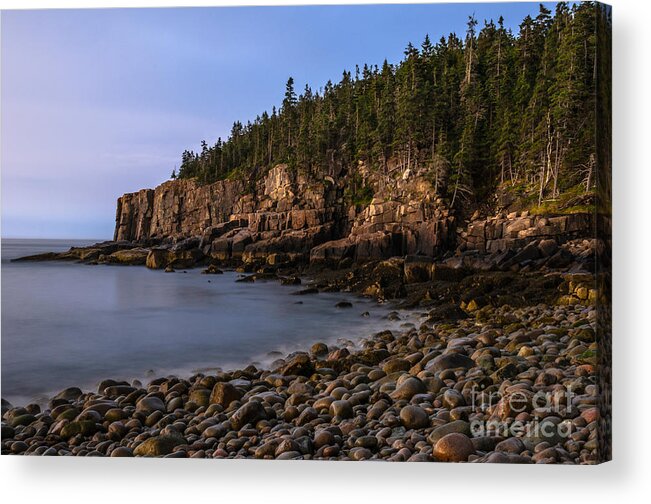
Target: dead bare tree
[587,170]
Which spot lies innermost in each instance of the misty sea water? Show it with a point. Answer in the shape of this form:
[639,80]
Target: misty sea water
[68,324]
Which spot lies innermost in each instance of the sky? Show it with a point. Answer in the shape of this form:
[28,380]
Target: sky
[99,102]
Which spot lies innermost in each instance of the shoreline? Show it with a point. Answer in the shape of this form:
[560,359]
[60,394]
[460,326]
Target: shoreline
[231,360]
[262,360]
[408,394]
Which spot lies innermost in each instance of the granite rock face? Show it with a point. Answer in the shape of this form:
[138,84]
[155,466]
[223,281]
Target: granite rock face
[290,216]
[303,217]
[177,208]
[517,230]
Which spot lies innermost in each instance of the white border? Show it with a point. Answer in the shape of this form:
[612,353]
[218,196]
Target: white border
[33,479]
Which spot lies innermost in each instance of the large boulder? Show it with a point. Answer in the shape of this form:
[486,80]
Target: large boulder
[332,251]
[417,269]
[184,258]
[157,258]
[528,253]
[239,242]
[446,273]
[375,246]
[131,257]
[297,243]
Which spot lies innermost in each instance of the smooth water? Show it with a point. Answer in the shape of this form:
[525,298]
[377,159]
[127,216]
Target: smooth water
[68,324]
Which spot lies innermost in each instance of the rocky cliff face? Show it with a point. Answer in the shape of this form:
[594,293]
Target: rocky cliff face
[287,216]
[511,231]
[292,214]
[175,209]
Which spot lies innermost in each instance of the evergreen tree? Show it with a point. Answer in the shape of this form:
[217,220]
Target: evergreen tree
[494,109]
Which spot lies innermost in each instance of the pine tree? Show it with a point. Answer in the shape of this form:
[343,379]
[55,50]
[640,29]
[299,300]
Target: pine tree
[494,109]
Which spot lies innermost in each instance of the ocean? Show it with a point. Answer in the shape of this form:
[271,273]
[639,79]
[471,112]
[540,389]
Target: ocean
[68,324]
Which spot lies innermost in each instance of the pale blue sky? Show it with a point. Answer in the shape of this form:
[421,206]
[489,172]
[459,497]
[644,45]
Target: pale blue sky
[96,103]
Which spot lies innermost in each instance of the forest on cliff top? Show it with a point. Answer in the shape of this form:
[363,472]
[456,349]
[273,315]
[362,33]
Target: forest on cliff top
[490,113]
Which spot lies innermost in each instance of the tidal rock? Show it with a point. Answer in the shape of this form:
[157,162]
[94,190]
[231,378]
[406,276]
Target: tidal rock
[293,280]
[212,270]
[300,364]
[157,258]
[309,290]
[69,394]
[319,349]
[134,257]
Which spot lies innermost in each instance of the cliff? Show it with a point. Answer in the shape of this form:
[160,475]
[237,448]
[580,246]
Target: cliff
[177,208]
[297,216]
[292,213]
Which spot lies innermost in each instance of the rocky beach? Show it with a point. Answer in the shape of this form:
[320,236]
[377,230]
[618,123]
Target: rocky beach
[504,364]
[514,385]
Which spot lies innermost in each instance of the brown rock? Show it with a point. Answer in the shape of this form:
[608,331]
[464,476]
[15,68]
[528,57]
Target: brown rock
[250,412]
[408,389]
[224,394]
[454,447]
[342,409]
[451,360]
[414,417]
[157,259]
[300,364]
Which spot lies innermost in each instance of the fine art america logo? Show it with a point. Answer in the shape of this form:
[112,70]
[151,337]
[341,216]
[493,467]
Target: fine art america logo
[522,413]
